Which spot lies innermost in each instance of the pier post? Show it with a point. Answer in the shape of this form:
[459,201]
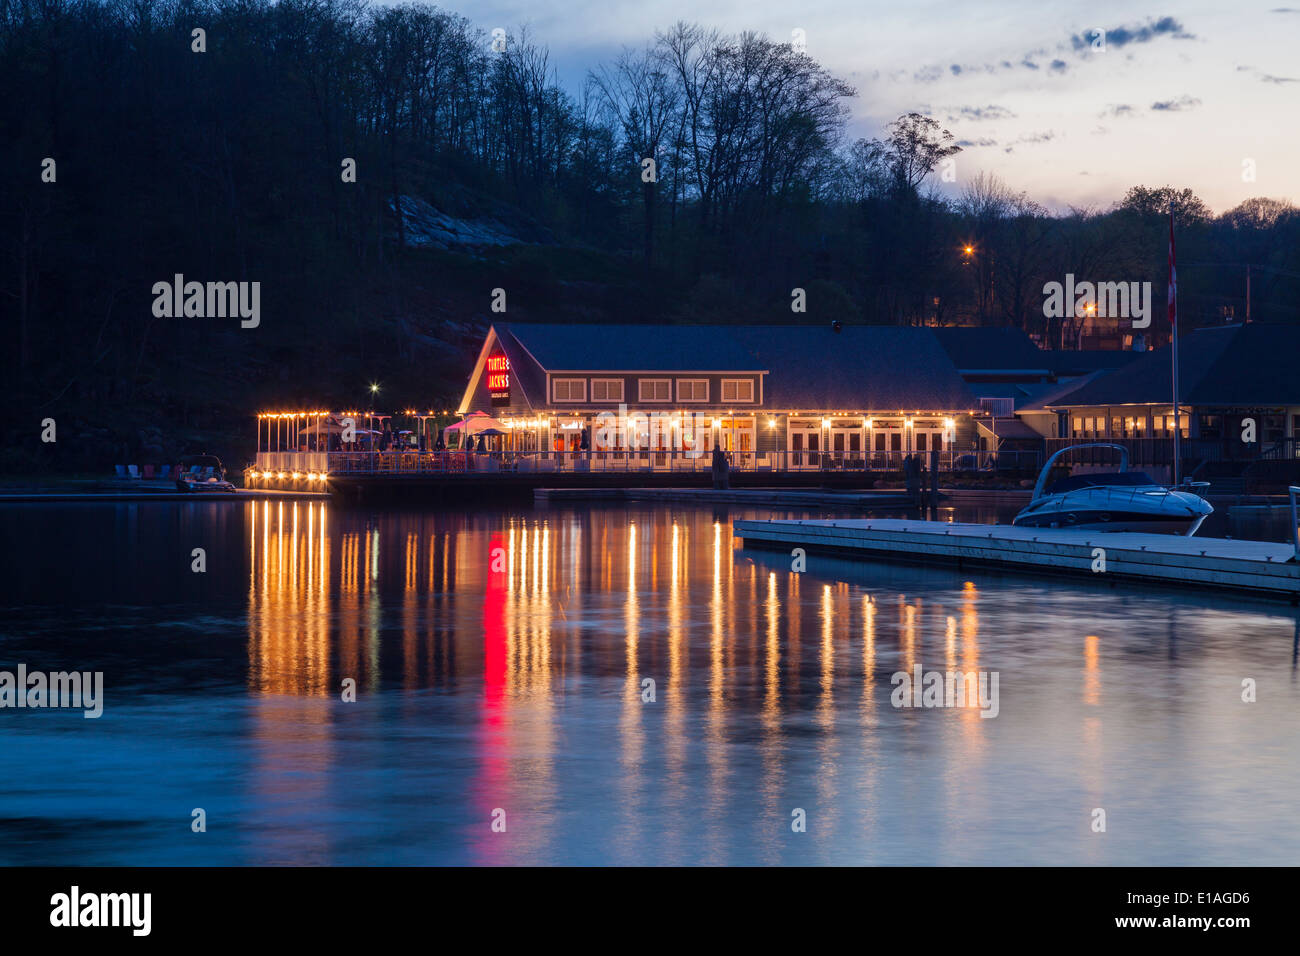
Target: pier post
[934,479]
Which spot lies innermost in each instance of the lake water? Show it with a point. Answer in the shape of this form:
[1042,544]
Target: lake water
[518,693]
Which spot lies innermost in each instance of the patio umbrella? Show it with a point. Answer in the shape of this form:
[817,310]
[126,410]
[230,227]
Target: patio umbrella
[585,442]
[482,445]
[440,444]
[476,422]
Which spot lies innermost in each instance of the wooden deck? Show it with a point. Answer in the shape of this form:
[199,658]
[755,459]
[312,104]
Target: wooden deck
[1257,567]
[780,497]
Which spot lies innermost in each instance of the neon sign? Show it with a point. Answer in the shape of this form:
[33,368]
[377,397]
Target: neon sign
[498,378]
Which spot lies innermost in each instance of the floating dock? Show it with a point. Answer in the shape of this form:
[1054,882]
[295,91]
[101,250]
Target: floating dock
[1256,567]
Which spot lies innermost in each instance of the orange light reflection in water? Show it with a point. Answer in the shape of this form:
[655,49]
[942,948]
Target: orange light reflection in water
[413,602]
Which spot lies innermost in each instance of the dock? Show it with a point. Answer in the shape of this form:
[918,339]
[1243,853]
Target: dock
[759,497]
[1256,567]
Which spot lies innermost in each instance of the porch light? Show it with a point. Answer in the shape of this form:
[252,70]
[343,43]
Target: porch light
[826,423]
[283,475]
[297,475]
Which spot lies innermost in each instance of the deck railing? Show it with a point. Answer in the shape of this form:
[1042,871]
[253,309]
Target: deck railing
[619,462]
[1160,451]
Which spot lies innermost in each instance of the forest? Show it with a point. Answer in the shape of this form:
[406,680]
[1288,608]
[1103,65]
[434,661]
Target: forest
[380,170]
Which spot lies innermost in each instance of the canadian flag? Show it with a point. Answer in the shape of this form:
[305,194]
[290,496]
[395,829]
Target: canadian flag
[1173,273]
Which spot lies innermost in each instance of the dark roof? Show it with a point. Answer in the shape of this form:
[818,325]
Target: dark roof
[632,348]
[1083,361]
[1229,365]
[862,367]
[991,350]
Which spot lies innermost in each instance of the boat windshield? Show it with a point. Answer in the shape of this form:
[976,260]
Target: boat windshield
[1101,479]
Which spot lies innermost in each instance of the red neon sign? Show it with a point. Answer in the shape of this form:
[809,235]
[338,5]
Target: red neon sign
[498,374]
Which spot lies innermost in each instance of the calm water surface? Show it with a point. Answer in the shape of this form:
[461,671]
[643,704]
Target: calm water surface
[521,689]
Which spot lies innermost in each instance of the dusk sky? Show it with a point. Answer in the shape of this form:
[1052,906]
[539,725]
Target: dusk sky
[1184,92]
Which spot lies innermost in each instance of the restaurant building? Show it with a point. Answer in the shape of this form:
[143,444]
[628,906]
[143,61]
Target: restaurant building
[1239,400]
[787,397]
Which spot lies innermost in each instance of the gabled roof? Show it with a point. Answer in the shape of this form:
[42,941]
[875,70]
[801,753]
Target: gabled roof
[992,349]
[1228,365]
[631,348]
[809,366]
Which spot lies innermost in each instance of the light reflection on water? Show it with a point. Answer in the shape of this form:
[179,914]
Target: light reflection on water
[626,684]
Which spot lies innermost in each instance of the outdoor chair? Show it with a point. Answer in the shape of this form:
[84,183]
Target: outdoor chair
[133,470]
[164,471]
[120,471]
[148,472]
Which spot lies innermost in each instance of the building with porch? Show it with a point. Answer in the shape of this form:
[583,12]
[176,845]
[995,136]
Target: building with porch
[1240,402]
[773,397]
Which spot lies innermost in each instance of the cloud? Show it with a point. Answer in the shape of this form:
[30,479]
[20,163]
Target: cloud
[1046,136]
[1267,77]
[1125,35]
[1059,66]
[981,113]
[1178,105]
[1116,110]
[1029,64]
[976,143]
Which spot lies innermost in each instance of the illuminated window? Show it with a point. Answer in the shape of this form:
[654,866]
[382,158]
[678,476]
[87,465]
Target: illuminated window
[570,389]
[607,390]
[654,389]
[692,390]
[737,390]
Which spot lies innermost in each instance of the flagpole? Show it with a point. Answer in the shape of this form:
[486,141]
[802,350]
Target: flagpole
[1173,324]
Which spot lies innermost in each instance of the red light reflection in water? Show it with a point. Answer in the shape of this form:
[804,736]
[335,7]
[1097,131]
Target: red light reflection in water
[494,745]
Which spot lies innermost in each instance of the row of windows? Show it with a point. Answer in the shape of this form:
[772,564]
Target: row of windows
[1126,427]
[650,390]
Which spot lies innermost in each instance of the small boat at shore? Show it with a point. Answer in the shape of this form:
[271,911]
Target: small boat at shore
[202,474]
[1112,501]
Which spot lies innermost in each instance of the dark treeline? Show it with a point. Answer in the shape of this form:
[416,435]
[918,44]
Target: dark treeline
[226,165]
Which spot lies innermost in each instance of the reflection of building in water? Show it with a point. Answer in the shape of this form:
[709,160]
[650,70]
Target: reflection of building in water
[528,607]
[289,598]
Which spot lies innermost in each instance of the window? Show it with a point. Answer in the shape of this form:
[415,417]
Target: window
[655,389]
[607,390]
[570,389]
[692,390]
[998,407]
[737,390]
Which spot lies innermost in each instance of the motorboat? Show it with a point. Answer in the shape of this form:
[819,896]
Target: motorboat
[1113,501]
[198,474]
